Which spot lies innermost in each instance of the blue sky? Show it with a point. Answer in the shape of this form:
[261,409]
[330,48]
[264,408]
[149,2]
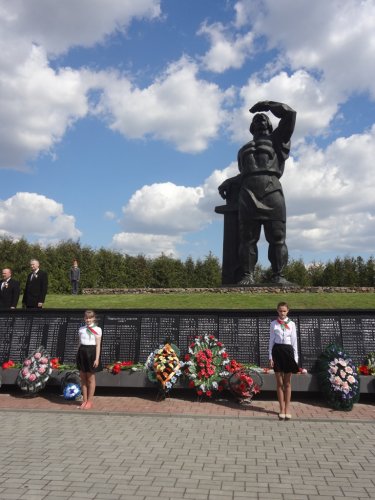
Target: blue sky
[119,119]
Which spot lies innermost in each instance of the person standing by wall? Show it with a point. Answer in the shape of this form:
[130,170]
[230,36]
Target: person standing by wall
[88,358]
[283,357]
[9,290]
[36,287]
[74,275]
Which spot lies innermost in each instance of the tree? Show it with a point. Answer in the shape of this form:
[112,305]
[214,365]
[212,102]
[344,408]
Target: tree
[208,272]
[296,272]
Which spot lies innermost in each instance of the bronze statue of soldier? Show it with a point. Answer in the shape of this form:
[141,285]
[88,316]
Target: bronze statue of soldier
[260,198]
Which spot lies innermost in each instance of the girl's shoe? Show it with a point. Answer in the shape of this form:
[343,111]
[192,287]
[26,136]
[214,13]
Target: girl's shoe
[282,416]
[288,416]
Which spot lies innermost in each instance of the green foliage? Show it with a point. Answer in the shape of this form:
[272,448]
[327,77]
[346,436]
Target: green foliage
[296,272]
[105,268]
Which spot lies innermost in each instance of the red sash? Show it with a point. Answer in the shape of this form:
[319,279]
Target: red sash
[91,330]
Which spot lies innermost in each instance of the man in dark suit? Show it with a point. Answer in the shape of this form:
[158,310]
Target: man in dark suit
[36,287]
[9,290]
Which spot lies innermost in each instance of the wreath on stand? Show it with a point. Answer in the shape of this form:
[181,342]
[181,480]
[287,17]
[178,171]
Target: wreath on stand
[206,365]
[35,372]
[338,378]
[164,367]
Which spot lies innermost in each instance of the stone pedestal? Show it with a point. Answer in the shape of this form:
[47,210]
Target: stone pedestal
[231,269]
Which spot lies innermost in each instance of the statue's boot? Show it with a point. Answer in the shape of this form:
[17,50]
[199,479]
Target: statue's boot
[247,280]
[278,279]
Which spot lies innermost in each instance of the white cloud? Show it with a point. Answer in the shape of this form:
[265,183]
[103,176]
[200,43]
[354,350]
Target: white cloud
[164,209]
[109,215]
[226,51]
[151,245]
[37,105]
[157,217]
[299,90]
[329,196]
[336,38]
[177,107]
[58,26]
[36,217]
[37,102]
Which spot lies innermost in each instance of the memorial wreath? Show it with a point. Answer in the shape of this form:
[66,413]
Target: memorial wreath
[338,378]
[35,371]
[164,366]
[206,365]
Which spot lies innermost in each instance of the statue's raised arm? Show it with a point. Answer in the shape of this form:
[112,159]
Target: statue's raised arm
[286,114]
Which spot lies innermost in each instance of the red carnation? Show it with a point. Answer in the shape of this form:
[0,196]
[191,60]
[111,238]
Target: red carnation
[116,369]
[187,357]
[191,384]
[199,392]
[224,355]
[209,393]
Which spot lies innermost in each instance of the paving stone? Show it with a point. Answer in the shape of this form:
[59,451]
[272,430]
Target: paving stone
[197,458]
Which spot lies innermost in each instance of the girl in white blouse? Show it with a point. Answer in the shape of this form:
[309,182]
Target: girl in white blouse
[283,356]
[88,358]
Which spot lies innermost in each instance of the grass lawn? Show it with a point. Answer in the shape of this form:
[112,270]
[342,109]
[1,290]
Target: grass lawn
[213,301]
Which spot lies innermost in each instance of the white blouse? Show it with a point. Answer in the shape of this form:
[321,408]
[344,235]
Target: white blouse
[88,338]
[279,335]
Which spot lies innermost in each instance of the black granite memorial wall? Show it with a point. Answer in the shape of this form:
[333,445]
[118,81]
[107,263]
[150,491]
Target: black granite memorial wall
[132,335]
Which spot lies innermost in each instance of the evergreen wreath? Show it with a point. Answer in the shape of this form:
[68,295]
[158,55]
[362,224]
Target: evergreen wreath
[338,378]
[35,372]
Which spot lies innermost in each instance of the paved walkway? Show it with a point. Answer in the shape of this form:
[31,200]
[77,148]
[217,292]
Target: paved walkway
[133,447]
[185,403]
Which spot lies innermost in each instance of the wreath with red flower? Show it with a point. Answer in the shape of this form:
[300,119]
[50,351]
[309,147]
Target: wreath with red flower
[244,382]
[206,365]
[35,371]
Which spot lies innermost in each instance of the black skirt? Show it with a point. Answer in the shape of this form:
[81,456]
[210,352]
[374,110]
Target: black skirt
[85,359]
[283,359]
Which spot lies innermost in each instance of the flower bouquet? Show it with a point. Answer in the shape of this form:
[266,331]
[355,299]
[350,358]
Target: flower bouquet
[35,372]
[10,364]
[338,378]
[206,365]
[120,366]
[368,368]
[164,367]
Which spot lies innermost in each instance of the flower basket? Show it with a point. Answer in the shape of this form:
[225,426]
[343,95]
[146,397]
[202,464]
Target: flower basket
[245,383]
[35,372]
[338,378]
